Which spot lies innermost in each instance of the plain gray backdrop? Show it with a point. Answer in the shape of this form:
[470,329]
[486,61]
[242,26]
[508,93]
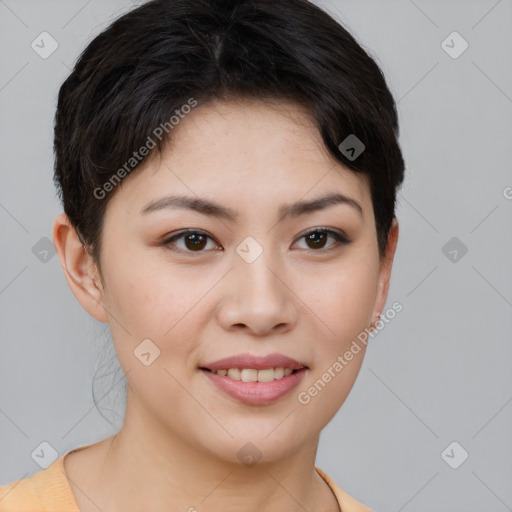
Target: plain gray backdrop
[439,373]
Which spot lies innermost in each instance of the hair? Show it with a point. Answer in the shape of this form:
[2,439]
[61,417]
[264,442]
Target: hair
[149,63]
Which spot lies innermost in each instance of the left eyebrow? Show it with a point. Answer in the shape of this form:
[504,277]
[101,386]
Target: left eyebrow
[320,203]
[210,208]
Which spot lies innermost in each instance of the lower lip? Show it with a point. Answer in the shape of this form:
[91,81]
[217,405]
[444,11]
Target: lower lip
[256,393]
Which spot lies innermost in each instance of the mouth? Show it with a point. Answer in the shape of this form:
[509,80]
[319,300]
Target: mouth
[255,387]
[254,374]
[255,379]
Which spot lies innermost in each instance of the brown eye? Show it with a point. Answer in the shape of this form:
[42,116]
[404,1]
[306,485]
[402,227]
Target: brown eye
[193,241]
[316,239]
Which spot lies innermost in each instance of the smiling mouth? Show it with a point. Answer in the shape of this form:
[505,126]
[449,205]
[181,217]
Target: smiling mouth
[254,375]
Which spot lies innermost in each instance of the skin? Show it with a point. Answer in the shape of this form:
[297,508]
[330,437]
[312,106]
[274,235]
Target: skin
[179,441]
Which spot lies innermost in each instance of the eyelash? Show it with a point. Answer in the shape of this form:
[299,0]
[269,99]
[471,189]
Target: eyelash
[340,239]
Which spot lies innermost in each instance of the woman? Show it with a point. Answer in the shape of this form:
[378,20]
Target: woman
[228,171]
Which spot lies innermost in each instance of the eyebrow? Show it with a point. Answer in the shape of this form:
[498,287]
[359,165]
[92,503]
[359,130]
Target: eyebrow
[210,208]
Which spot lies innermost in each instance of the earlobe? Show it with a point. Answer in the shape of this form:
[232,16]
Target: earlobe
[79,269]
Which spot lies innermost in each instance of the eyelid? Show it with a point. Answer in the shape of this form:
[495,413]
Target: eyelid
[339,235]
[327,230]
[167,240]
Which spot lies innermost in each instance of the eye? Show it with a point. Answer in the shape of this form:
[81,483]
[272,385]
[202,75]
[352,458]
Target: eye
[317,237]
[197,241]
[194,241]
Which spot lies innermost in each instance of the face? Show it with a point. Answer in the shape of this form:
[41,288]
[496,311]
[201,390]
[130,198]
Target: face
[262,278]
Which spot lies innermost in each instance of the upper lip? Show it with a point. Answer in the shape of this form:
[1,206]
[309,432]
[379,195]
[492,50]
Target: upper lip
[255,362]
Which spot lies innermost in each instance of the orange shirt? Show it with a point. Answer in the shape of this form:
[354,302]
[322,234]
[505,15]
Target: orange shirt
[49,490]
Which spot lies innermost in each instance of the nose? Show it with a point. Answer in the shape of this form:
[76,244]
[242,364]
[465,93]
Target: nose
[257,298]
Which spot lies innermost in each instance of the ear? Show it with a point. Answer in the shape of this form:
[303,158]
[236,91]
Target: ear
[79,269]
[385,270]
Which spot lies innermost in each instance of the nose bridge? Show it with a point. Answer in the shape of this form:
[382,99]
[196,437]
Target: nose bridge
[256,296]
[255,273]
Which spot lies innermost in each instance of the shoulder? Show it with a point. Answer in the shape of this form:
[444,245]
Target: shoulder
[346,502]
[19,495]
[48,489]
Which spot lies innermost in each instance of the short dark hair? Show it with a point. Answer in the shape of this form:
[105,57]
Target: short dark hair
[151,61]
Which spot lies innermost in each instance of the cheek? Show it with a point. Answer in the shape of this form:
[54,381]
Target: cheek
[342,304]
[325,393]
[148,301]
[341,298]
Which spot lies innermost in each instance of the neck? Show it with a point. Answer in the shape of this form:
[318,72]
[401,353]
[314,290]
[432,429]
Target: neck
[158,470]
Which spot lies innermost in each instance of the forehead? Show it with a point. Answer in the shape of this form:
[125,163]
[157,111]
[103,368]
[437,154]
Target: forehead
[265,152]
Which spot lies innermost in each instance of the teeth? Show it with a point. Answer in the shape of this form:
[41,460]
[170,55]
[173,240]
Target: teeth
[249,375]
[253,375]
[265,375]
[234,373]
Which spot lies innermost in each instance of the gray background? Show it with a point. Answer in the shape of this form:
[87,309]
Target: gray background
[439,372]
